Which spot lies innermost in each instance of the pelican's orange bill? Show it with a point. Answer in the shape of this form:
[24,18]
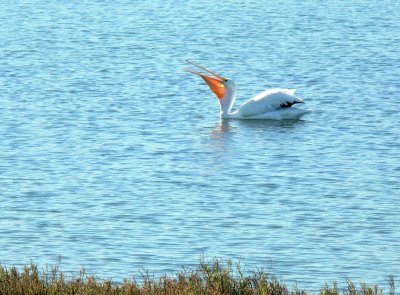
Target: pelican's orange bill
[215,82]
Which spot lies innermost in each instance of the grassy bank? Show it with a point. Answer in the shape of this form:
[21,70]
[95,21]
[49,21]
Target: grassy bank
[208,278]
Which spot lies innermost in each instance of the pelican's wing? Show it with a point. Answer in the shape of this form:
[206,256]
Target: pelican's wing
[269,101]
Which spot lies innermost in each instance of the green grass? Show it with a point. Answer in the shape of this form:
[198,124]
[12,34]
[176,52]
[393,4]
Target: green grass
[211,277]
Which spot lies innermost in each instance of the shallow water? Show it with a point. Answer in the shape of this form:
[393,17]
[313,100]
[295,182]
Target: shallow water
[114,158]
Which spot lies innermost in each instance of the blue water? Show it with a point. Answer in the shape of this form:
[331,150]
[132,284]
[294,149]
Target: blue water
[114,158]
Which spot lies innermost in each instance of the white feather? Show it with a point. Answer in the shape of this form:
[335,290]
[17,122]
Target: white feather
[268,101]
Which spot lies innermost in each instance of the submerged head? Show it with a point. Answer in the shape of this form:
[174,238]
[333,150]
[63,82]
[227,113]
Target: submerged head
[222,87]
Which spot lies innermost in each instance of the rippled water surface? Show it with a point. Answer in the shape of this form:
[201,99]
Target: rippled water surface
[114,158]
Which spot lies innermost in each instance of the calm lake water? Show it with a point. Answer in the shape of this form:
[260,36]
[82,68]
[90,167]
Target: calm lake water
[114,158]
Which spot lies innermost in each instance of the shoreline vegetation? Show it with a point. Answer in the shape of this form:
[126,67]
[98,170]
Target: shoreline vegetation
[213,277]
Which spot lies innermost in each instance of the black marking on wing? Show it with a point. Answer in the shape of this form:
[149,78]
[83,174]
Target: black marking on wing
[288,104]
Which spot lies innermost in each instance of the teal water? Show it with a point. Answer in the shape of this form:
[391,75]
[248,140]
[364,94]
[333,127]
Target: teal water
[114,158]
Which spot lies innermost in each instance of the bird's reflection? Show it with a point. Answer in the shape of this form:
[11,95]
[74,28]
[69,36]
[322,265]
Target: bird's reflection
[223,134]
[226,139]
[231,126]
[270,124]
[224,126]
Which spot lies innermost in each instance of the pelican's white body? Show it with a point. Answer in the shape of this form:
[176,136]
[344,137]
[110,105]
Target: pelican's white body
[266,105]
[280,114]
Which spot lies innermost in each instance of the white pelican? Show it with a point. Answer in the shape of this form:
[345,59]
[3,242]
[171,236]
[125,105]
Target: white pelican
[273,104]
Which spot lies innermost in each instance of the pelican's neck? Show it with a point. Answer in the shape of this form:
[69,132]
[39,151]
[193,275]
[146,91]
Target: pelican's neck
[226,103]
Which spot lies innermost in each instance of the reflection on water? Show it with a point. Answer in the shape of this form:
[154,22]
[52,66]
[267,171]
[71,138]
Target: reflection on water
[265,124]
[224,126]
[230,125]
[221,136]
